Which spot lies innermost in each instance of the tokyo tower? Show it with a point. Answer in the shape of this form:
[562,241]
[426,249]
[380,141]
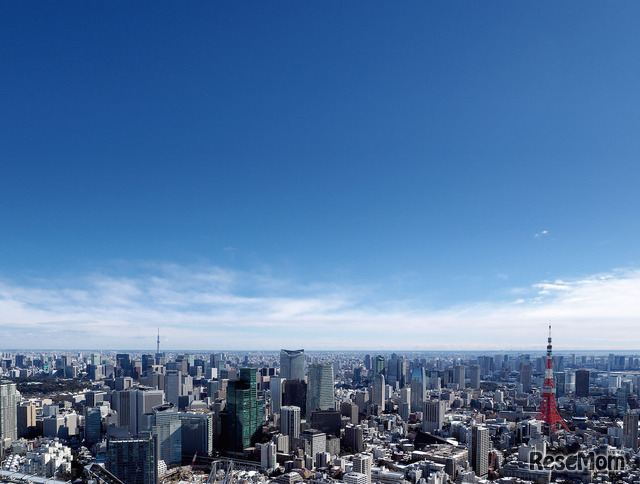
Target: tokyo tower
[548,410]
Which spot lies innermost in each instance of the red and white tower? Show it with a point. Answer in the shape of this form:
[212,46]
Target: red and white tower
[548,410]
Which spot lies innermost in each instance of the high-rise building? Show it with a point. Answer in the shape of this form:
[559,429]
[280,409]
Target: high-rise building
[131,404]
[267,455]
[525,376]
[433,415]
[295,394]
[132,460]
[582,383]
[244,413]
[560,380]
[418,392]
[26,419]
[397,370]
[354,438]
[378,391]
[459,375]
[327,421]
[475,376]
[378,365]
[92,426]
[218,362]
[167,433]
[350,410]
[276,385]
[8,411]
[630,430]
[479,450]
[315,442]
[196,433]
[290,422]
[173,386]
[320,392]
[362,464]
[292,364]
[622,396]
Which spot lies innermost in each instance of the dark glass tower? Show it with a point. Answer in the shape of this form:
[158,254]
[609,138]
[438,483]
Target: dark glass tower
[244,412]
[132,460]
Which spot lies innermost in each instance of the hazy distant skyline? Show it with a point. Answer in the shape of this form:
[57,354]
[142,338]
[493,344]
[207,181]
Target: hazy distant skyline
[326,175]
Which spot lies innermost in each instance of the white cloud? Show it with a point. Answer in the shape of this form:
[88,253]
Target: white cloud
[215,308]
[542,233]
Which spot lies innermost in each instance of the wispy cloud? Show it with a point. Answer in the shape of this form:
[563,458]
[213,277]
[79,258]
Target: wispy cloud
[541,234]
[215,308]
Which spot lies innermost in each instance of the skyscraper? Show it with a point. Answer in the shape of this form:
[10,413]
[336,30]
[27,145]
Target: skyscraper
[196,433]
[622,395]
[276,386]
[418,390]
[131,404]
[8,411]
[292,364]
[132,460]
[459,375]
[433,417]
[320,392]
[479,451]
[630,430]
[378,365]
[525,376]
[167,433]
[378,393]
[295,393]
[92,426]
[397,370]
[173,386]
[243,414]
[26,416]
[475,376]
[290,422]
[582,383]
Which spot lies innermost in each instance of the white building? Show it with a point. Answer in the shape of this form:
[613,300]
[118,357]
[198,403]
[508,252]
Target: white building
[49,460]
[355,478]
[362,464]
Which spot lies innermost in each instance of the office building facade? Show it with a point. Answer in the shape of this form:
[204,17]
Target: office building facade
[320,391]
[292,364]
[244,413]
[479,450]
[8,411]
[132,460]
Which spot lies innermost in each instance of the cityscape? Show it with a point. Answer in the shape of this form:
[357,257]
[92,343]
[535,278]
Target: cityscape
[319,242]
[319,417]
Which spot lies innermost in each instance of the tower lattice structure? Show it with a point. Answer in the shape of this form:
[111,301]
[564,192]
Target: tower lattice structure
[548,411]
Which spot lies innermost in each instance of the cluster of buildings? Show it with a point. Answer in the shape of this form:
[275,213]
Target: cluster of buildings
[321,418]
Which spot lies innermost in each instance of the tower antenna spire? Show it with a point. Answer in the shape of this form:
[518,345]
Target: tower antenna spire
[548,410]
[158,343]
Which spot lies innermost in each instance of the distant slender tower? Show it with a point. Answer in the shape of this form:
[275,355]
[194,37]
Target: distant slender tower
[158,343]
[548,410]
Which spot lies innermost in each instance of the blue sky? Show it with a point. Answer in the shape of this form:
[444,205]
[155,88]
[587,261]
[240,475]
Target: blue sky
[419,175]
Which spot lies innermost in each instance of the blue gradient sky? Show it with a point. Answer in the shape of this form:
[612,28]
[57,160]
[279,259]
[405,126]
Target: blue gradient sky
[322,172]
